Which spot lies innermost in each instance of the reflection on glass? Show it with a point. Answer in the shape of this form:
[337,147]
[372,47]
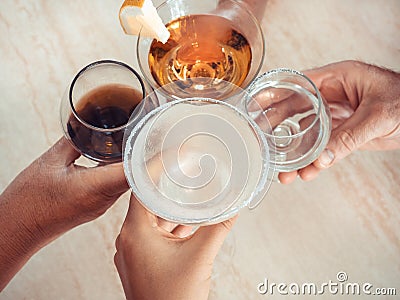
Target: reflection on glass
[97,106]
[299,117]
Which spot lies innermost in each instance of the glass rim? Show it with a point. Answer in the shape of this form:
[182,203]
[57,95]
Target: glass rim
[263,180]
[257,24]
[91,66]
[292,72]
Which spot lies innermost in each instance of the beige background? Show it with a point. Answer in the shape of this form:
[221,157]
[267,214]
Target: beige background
[346,220]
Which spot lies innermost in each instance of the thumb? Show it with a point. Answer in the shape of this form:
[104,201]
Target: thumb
[210,238]
[359,129]
[62,153]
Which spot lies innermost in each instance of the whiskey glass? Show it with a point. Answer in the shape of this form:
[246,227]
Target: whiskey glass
[299,117]
[211,41]
[97,106]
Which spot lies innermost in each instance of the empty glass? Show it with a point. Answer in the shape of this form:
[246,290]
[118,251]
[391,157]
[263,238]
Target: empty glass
[299,117]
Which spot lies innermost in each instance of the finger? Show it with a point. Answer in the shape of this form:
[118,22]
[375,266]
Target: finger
[309,173]
[360,128]
[182,231]
[340,112]
[336,123]
[287,177]
[210,238]
[117,242]
[166,225]
[324,74]
[280,104]
[108,179]
[265,98]
[338,82]
[62,153]
[116,259]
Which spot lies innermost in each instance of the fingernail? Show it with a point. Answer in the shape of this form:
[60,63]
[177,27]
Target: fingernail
[326,158]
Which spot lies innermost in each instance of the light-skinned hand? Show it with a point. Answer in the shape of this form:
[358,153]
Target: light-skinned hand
[364,101]
[157,260]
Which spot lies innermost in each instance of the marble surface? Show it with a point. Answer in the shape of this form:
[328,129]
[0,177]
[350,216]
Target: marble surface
[346,220]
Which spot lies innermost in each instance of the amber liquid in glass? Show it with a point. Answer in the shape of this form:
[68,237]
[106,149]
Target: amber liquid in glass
[106,107]
[201,46]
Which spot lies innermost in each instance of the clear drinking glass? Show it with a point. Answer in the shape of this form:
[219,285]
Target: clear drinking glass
[97,106]
[196,160]
[211,40]
[299,117]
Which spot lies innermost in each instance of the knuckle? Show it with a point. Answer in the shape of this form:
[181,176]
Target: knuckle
[103,190]
[354,64]
[347,140]
[117,241]
[116,259]
[228,224]
[105,193]
[125,236]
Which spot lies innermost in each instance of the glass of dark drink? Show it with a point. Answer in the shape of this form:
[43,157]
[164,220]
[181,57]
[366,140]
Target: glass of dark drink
[97,106]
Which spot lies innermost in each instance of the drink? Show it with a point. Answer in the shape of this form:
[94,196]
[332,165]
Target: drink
[104,109]
[195,159]
[201,46]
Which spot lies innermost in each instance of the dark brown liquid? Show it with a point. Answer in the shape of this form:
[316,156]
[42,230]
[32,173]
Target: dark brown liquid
[106,107]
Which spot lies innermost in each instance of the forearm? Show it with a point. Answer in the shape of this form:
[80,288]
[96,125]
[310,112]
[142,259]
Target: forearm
[48,198]
[27,225]
[19,238]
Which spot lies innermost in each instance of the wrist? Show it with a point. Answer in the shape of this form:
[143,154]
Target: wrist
[29,223]
[20,238]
